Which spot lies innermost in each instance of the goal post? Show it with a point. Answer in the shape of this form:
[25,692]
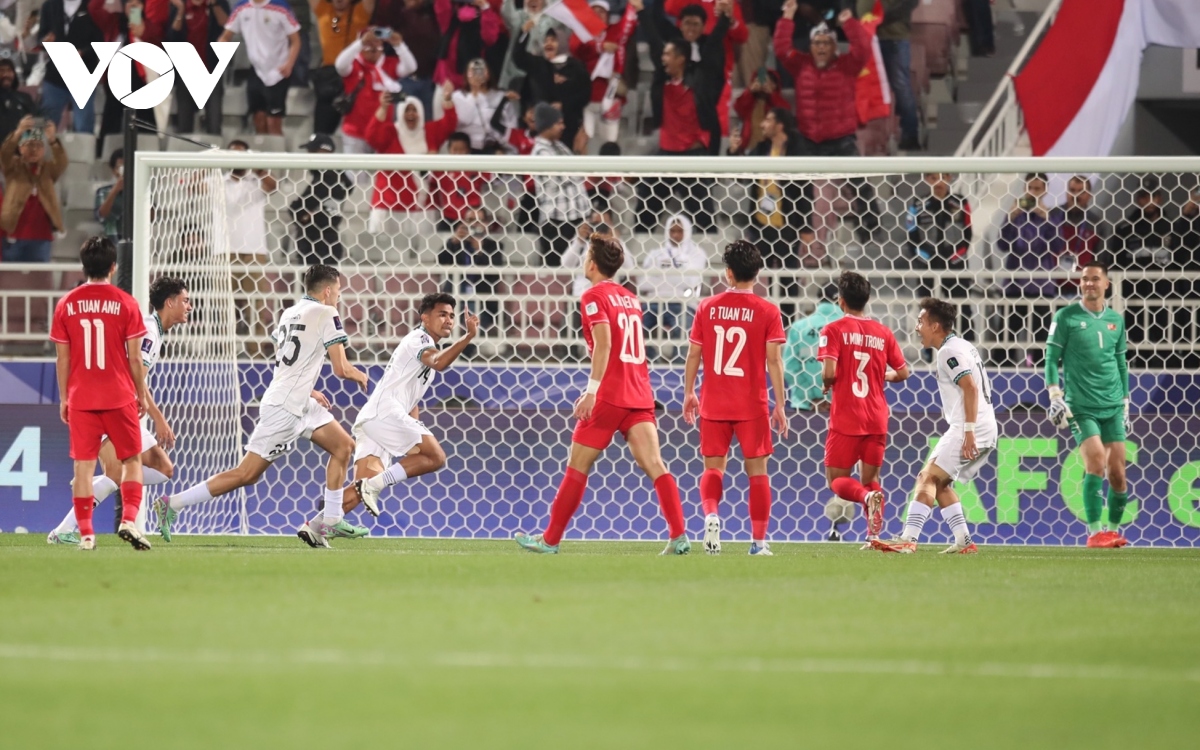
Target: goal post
[973,230]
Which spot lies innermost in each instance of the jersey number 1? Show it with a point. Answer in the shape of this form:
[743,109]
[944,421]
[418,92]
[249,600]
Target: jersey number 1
[88,326]
[736,335]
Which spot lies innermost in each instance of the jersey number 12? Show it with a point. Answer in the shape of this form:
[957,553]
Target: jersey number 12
[735,335]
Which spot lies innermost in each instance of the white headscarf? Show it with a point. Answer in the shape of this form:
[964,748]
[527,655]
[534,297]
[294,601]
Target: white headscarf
[684,255]
[412,140]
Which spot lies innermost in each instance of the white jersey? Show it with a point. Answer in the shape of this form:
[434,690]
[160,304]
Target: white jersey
[956,359]
[153,340]
[405,380]
[305,330]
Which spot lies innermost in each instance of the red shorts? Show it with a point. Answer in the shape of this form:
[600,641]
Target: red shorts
[754,435]
[88,428]
[606,420]
[844,451]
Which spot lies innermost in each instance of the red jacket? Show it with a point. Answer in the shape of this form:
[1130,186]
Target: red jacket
[366,101]
[154,19]
[401,191]
[454,192]
[825,98]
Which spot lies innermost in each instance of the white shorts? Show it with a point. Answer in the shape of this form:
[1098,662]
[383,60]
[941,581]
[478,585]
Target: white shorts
[277,429]
[948,453]
[387,437]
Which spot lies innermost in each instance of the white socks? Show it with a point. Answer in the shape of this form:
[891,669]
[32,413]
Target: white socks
[333,506]
[394,474]
[918,514]
[152,476]
[190,496]
[953,516]
[102,487]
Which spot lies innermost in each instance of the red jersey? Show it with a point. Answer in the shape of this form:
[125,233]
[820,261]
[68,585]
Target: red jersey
[864,350]
[626,381]
[733,329]
[96,319]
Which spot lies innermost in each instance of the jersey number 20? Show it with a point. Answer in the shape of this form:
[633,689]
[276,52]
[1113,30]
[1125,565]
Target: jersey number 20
[633,346]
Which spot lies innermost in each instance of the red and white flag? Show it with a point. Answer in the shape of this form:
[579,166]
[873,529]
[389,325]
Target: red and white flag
[1080,84]
[579,17]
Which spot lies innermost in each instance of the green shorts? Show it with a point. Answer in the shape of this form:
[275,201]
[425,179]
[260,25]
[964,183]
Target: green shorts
[1110,427]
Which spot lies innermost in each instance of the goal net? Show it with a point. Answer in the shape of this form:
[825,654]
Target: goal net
[1003,239]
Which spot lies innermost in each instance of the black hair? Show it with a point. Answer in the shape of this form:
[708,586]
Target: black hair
[8,61]
[459,137]
[941,312]
[1096,264]
[854,289]
[1037,176]
[238,142]
[694,9]
[676,47]
[611,148]
[114,157]
[784,117]
[744,259]
[163,289]
[606,253]
[98,254]
[317,277]
[430,301]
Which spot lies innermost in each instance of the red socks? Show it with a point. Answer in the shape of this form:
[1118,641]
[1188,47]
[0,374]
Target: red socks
[83,515]
[566,502]
[131,500]
[668,500]
[849,488]
[760,506]
[711,487]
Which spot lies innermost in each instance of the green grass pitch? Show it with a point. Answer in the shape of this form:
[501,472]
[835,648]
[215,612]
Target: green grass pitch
[263,643]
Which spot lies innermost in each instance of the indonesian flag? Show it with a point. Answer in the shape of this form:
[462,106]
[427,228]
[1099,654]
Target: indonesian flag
[1080,84]
[580,18]
[872,94]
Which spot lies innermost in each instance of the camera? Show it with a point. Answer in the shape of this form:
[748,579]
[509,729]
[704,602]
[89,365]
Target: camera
[383,32]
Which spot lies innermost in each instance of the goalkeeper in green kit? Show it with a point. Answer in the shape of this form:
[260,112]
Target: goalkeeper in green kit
[1089,338]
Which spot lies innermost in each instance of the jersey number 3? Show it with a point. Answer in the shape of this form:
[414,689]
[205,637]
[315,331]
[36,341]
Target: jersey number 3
[861,386]
[284,335]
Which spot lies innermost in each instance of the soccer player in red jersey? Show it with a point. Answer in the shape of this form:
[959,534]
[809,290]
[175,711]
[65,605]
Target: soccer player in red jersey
[859,356]
[738,338]
[618,398]
[98,332]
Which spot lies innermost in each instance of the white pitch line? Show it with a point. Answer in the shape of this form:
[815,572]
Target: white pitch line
[483,660]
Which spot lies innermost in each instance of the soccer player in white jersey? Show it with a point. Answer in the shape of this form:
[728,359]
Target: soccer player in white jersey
[971,435]
[305,333]
[387,428]
[171,304]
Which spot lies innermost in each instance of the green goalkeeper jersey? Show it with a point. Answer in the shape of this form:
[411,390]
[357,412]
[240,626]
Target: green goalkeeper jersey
[1092,349]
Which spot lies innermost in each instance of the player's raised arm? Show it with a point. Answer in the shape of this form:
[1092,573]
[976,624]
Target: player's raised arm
[775,371]
[602,347]
[440,359]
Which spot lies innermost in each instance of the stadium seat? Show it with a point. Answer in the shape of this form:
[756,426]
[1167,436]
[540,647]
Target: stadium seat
[175,144]
[235,103]
[27,314]
[80,174]
[82,195]
[80,147]
[112,142]
[262,142]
